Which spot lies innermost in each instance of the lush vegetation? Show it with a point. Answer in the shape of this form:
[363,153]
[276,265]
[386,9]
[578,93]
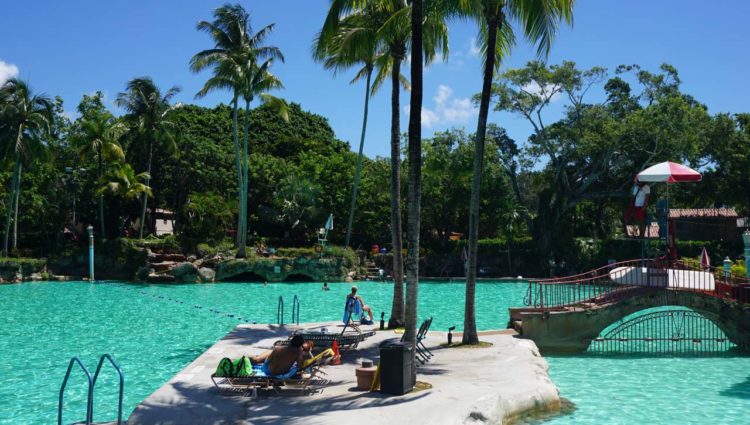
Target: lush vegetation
[261,169]
[569,185]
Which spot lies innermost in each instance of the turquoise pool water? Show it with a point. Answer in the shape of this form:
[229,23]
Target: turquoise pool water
[628,389]
[153,331]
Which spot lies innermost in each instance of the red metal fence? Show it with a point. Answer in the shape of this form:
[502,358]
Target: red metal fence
[621,280]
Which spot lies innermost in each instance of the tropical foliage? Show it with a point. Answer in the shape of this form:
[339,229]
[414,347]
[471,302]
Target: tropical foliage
[527,206]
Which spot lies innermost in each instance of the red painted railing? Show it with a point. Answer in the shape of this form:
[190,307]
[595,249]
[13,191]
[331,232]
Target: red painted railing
[622,280]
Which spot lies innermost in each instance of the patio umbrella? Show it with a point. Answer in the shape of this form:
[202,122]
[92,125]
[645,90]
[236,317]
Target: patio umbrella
[668,172]
[705,260]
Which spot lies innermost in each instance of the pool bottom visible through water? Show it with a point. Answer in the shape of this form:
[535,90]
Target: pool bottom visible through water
[153,331]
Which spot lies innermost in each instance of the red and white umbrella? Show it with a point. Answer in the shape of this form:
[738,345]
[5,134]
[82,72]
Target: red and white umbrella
[668,172]
[705,259]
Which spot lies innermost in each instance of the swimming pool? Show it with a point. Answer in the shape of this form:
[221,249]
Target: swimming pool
[155,330]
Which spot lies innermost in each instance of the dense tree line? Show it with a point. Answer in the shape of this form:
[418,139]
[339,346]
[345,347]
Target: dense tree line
[569,180]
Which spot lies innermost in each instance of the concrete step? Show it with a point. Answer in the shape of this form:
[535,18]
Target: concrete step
[162,257]
[162,266]
[160,278]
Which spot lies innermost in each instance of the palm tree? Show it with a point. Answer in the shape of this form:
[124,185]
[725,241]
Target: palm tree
[229,31]
[234,60]
[25,120]
[539,20]
[353,42]
[394,33]
[99,134]
[148,107]
[414,192]
[122,181]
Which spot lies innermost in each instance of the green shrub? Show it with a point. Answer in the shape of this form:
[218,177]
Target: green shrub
[168,243]
[738,268]
[331,251]
[225,247]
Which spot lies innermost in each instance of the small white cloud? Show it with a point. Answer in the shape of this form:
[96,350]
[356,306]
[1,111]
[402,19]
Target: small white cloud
[7,71]
[534,88]
[474,50]
[447,109]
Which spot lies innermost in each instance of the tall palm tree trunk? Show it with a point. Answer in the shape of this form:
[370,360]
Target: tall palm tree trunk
[415,174]
[15,206]
[148,183]
[101,197]
[235,128]
[470,322]
[11,199]
[397,308]
[358,167]
[245,175]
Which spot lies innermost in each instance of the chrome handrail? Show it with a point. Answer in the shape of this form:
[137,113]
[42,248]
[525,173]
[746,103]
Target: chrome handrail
[122,385]
[90,397]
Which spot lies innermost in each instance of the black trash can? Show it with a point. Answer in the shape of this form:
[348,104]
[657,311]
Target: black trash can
[396,368]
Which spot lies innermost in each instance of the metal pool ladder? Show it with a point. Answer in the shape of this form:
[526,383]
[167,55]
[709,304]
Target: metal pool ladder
[280,311]
[91,384]
[295,310]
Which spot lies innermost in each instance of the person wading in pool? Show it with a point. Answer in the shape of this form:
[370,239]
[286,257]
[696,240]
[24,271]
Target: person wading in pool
[366,308]
[282,358]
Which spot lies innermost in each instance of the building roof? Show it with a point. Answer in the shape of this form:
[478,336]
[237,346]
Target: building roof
[703,213]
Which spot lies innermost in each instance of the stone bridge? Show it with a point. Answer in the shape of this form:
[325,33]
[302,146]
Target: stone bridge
[566,314]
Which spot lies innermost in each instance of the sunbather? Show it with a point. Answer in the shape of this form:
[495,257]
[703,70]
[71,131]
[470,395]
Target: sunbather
[282,358]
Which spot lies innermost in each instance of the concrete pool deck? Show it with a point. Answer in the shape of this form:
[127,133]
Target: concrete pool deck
[469,385]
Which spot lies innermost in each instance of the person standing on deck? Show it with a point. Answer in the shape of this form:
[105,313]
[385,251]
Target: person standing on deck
[637,208]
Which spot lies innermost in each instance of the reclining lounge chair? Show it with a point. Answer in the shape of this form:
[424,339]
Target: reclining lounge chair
[302,378]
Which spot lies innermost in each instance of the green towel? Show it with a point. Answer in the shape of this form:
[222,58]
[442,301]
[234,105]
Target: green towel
[225,368]
[243,367]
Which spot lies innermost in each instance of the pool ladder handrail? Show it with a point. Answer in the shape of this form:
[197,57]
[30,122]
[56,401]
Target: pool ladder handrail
[280,311]
[121,385]
[89,398]
[295,310]
[91,384]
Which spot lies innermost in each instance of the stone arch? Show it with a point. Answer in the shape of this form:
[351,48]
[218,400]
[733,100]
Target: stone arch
[299,277]
[571,330]
[245,277]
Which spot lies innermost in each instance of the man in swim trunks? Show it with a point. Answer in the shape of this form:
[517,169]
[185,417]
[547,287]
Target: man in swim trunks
[366,308]
[283,357]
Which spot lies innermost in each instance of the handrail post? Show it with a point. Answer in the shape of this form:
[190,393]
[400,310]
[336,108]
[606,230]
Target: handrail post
[280,311]
[122,385]
[295,310]
[90,397]
[541,296]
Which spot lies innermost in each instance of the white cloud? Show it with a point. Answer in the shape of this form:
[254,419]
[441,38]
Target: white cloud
[7,71]
[474,50]
[534,88]
[447,110]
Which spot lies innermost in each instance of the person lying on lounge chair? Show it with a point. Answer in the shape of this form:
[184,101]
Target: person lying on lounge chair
[282,358]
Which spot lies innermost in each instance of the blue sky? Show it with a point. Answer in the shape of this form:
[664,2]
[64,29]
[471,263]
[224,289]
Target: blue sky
[73,47]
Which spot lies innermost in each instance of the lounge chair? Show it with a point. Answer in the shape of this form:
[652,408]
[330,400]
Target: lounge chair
[423,353]
[354,314]
[346,339]
[303,378]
